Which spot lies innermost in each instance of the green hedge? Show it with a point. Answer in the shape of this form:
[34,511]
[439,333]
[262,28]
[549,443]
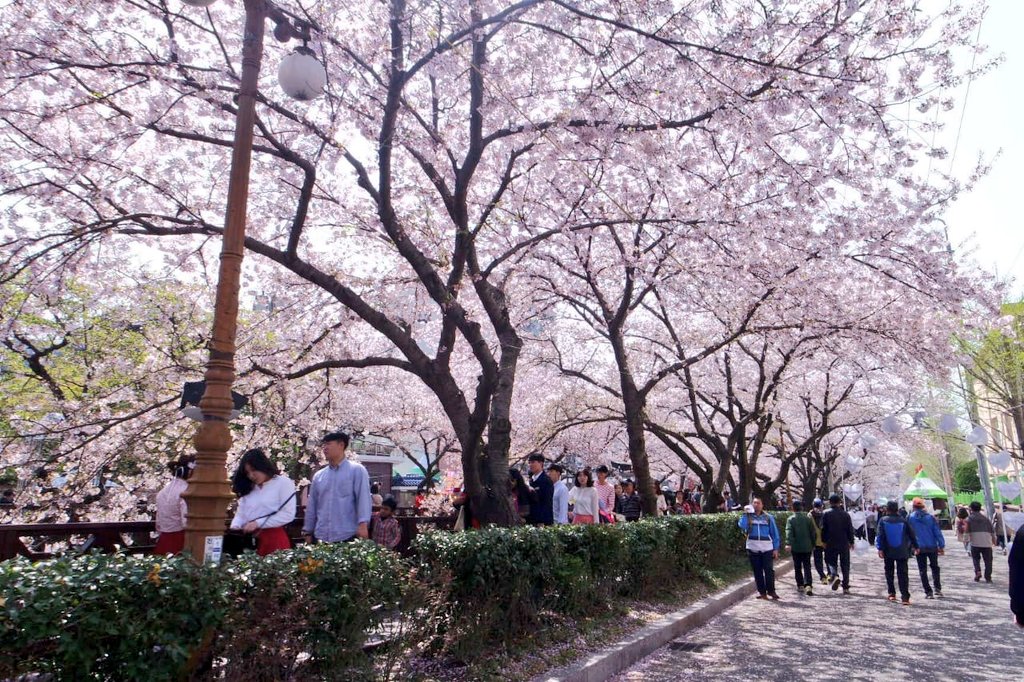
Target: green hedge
[498,582]
[114,617]
[305,613]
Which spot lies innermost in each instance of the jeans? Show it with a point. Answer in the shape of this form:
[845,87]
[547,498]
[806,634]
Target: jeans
[924,558]
[802,568]
[764,571]
[842,558]
[819,561]
[900,567]
[979,553]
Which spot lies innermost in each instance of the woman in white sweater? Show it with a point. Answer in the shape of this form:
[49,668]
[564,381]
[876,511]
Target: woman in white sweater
[585,504]
[266,502]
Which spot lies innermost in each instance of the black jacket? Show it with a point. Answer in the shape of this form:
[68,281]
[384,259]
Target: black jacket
[631,507]
[836,529]
[542,492]
[1016,562]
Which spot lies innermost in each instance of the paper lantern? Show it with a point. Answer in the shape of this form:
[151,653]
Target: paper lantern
[1008,489]
[978,436]
[999,460]
[853,490]
[853,464]
[948,423]
[891,425]
[867,441]
[858,518]
[1013,520]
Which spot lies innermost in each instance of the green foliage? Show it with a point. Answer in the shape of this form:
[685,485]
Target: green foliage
[105,616]
[113,617]
[965,477]
[305,613]
[319,600]
[499,581]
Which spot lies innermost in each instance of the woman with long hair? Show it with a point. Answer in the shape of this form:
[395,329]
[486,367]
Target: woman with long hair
[171,509]
[519,493]
[584,498]
[266,502]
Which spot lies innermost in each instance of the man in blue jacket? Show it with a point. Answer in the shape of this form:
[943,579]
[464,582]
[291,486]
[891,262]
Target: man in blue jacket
[763,543]
[896,542]
[930,543]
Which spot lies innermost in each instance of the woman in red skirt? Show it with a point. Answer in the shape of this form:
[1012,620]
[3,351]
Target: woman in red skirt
[266,502]
[170,508]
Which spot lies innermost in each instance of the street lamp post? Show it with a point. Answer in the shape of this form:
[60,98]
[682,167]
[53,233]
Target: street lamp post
[208,492]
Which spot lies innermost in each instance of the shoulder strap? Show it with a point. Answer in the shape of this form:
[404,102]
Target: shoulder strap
[265,517]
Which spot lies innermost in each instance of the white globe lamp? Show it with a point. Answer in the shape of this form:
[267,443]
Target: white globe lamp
[301,75]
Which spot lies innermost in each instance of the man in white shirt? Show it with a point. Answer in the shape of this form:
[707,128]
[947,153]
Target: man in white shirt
[560,498]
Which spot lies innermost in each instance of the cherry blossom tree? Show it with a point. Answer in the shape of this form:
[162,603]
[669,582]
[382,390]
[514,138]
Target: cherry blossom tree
[457,140]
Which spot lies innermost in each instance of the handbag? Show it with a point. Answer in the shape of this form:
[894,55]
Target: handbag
[236,542]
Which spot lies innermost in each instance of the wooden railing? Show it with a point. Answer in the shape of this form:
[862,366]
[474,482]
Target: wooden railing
[37,541]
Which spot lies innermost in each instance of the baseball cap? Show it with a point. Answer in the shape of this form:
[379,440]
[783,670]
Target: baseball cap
[818,502]
[917,502]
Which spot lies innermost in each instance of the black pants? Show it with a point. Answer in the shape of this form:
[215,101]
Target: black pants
[819,561]
[923,560]
[977,554]
[871,536]
[802,568]
[836,560]
[764,571]
[902,574]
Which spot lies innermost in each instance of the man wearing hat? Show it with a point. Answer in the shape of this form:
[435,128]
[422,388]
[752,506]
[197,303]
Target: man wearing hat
[930,545]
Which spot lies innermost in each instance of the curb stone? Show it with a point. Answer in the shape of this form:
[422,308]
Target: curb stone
[612,660]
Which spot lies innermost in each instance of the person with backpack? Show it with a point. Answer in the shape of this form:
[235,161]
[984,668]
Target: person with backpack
[930,544]
[801,537]
[819,546]
[895,543]
[763,543]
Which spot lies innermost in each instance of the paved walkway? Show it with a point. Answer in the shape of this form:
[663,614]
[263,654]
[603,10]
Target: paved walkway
[968,635]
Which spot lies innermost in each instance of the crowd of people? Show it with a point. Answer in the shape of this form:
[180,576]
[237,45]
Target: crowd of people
[341,505]
[828,537]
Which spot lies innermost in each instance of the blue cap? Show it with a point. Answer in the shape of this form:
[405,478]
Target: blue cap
[818,502]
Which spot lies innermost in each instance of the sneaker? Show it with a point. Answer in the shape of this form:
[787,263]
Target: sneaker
[906,602]
[809,591]
[977,577]
[774,596]
[938,593]
[761,596]
[836,580]
[892,597]
[988,580]
[826,579]
[929,596]
[846,590]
